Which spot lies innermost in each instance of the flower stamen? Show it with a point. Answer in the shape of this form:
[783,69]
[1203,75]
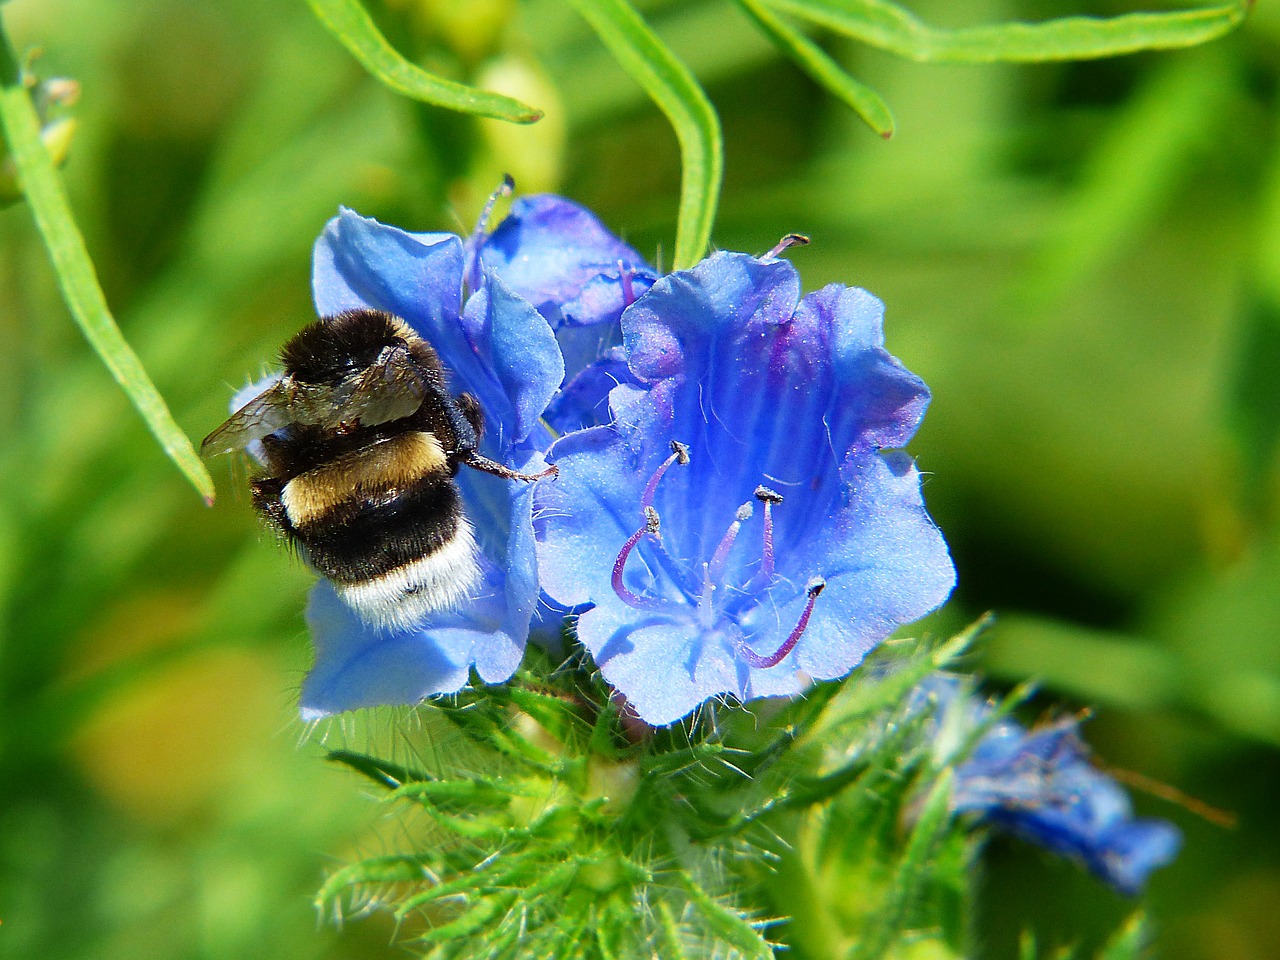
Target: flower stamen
[721,557]
[680,455]
[790,240]
[505,189]
[754,659]
[652,528]
[765,574]
[625,274]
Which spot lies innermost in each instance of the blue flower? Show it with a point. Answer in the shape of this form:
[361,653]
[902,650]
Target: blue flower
[492,307]
[743,523]
[560,258]
[1040,785]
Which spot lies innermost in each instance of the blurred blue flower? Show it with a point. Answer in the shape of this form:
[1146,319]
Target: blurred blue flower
[738,526]
[492,307]
[1040,785]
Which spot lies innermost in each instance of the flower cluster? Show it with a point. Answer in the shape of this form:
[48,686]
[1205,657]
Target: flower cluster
[511,314]
[733,515]
[1040,784]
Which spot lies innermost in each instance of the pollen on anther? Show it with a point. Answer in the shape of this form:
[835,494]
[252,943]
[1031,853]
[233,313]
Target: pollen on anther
[790,240]
[681,451]
[765,495]
[652,522]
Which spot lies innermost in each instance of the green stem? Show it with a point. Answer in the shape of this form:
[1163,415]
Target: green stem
[670,84]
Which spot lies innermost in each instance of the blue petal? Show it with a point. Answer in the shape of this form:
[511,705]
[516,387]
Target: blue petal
[1134,850]
[673,330]
[769,389]
[359,262]
[584,516]
[500,349]
[560,258]
[665,668]
[1041,785]
[513,364]
[763,387]
[584,401]
[360,666]
[503,350]
[884,561]
[502,513]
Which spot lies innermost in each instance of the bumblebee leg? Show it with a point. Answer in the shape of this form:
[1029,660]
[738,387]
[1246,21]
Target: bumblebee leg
[267,501]
[473,413]
[477,462]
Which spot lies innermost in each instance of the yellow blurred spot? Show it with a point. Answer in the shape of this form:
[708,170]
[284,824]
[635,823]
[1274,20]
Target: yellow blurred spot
[471,28]
[533,154]
[135,625]
[166,747]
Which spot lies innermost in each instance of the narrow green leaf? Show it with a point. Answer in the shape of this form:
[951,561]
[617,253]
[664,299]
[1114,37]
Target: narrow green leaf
[891,27]
[911,872]
[472,920]
[726,924]
[813,60]
[673,88]
[384,774]
[350,23]
[77,277]
[669,932]
[469,795]
[860,700]
[1130,941]
[389,869]
[470,885]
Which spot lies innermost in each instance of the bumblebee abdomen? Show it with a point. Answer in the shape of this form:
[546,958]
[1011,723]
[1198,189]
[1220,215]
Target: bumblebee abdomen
[386,525]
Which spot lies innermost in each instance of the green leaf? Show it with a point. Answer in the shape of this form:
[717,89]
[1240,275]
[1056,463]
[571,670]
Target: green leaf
[472,885]
[375,870]
[669,932]
[350,23]
[813,60]
[897,30]
[77,277]
[911,872]
[673,88]
[856,701]
[473,920]
[389,775]
[725,923]
[1130,941]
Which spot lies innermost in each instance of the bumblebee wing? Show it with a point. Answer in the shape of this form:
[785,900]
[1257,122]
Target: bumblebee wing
[264,414]
[386,390]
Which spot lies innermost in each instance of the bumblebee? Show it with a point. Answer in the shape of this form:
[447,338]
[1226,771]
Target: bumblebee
[361,440]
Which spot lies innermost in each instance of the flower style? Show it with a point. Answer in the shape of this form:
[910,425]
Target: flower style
[493,307]
[1039,784]
[744,523]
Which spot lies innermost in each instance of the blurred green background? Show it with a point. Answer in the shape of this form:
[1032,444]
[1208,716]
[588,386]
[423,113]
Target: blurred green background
[1082,260]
